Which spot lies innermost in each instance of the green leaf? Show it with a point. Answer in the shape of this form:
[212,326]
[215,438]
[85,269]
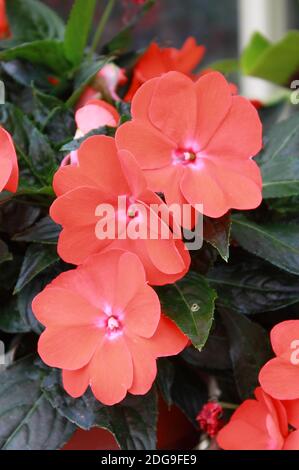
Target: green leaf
[279,160]
[28,421]
[132,422]
[46,52]
[11,320]
[37,258]
[253,286]
[84,76]
[77,30]
[31,19]
[32,145]
[44,231]
[5,255]
[276,243]
[217,233]
[225,66]
[165,379]
[249,350]
[274,62]
[189,391]
[190,304]
[215,355]
[27,294]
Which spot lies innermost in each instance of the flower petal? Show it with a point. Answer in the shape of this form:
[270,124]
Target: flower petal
[56,307]
[142,314]
[282,337]
[239,135]
[292,442]
[77,207]
[149,146]
[173,108]
[69,348]
[111,371]
[213,104]
[168,339]
[75,382]
[280,379]
[142,99]
[200,187]
[98,160]
[68,178]
[144,365]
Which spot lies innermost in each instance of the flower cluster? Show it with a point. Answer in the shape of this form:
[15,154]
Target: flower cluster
[271,421]
[189,139]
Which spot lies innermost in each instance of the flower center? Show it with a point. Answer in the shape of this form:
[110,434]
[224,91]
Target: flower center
[184,156]
[113,323]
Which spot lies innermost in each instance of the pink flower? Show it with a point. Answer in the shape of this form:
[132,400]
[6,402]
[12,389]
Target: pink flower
[101,177]
[260,424]
[195,142]
[280,376]
[104,328]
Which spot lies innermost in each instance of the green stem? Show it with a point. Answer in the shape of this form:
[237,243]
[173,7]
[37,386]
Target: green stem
[100,29]
[228,406]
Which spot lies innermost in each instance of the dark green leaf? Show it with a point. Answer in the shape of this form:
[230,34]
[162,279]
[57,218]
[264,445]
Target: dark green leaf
[27,294]
[28,421]
[217,233]
[32,145]
[44,231]
[274,62]
[31,19]
[280,160]
[190,304]
[46,52]
[253,287]
[132,422]
[37,258]
[189,392]
[215,354]
[11,320]
[5,255]
[276,243]
[249,350]
[77,29]
[165,378]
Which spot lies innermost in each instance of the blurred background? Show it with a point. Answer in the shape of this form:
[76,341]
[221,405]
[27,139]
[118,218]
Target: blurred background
[213,22]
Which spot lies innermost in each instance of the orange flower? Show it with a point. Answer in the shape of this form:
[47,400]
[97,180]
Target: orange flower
[9,172]
[102,175]
[280,376]
[4,26]
[156,61]
[195,142]
[260,424]
[94,114]
[104,328]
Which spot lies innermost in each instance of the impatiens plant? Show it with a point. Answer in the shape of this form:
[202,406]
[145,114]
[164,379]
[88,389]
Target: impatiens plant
[148,238]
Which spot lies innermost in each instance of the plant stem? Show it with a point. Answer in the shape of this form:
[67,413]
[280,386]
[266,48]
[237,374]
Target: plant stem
[228,406]
[100,29]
